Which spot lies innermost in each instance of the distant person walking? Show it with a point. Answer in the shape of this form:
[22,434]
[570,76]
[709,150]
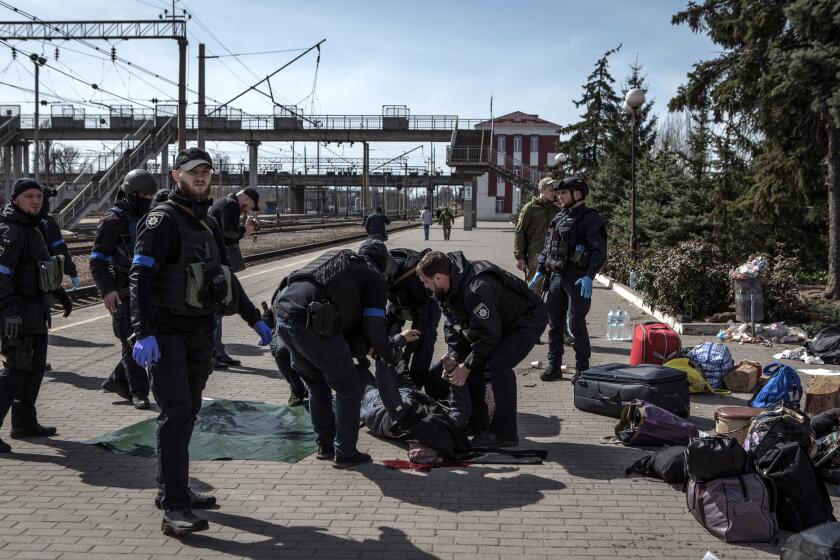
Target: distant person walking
[445,220]
[426,219]
[376,225]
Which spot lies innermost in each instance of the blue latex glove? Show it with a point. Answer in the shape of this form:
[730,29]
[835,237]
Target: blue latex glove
[265,333]
[585,284]
[76,282]
[146,351]
[536,277]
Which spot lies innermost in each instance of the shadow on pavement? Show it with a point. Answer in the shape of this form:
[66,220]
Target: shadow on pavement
[117,471]
[234,370]
[534,425]
[301,541]
[79,381]
[592,460]
[57,340]
[236,349]
[608,350]
[456,490]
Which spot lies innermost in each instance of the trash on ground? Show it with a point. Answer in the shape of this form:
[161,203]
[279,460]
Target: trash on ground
[750,269]
[774,333]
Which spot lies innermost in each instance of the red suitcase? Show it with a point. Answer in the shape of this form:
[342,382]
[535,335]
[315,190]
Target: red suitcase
[654,343]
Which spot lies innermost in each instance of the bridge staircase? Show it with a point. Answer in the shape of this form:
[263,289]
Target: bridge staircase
[127,155]
[471,152]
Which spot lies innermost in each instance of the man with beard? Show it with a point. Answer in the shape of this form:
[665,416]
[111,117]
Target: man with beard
[28,275]
[110,262]
[179,282]
[492,320]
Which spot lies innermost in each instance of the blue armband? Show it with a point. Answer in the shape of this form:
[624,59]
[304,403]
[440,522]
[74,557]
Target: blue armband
[373,312]
[6,270]
[97,256]
[143,260]
[56,243]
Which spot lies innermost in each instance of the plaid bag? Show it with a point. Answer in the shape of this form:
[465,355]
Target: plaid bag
[714,361]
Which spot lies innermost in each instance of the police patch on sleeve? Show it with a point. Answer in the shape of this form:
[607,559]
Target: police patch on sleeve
[153,219]
[476,284]
[482,312]
[2,250]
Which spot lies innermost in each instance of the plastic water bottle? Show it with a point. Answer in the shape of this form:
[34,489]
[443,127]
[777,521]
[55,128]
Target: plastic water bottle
[632,283]
[611,325]
[624,335]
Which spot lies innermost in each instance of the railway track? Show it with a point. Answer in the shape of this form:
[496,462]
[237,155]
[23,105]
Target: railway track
[86,296]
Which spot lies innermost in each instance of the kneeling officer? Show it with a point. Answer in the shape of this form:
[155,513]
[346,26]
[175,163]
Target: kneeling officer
[179,281]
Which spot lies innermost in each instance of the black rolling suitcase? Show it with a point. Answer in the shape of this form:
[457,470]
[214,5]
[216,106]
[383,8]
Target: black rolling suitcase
[603,389]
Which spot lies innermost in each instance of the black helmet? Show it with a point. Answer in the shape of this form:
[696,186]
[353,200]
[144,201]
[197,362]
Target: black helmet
[139,180]
[376,251]
[573,183]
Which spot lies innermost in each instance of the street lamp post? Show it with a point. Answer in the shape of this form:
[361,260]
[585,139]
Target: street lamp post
[634,99]
[559,160]
[38,61]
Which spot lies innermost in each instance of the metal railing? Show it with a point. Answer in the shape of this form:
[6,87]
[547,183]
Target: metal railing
[9,130]
[132,157]
[498,162]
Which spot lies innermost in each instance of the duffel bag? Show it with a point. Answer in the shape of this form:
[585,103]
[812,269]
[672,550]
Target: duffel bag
[734,509]
[696,382]
[783,386]
[817,543]
[708,458]
[604,389]
[803,501]
[646,425]
[667,464]
[654,343]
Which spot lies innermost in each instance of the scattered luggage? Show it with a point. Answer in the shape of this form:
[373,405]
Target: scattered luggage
[654,343]
[802,499]
[714,361]
[734,421]
[783,386]
[817,543]
[696,382]
[822,393]
[646,425]
[710,458]
[826,345]
[779,425]
[604,389]
[667,464]
[734,509]
[744,378]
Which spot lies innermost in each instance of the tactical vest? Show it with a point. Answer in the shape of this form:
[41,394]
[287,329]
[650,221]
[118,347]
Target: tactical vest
[407,260]
[120,262]
[563,241]
[34,303]
[176,283]
[332,274]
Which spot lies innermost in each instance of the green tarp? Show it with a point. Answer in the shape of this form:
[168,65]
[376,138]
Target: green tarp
[228,430]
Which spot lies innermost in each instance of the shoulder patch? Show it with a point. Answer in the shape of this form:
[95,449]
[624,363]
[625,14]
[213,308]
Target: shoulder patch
[482,312]
[154,218]
[2,250]
[476,284]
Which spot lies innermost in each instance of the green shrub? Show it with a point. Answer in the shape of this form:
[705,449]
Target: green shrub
[691,278]
[782,301]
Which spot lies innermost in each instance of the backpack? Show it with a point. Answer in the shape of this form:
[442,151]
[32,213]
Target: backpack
[779,425]
[803,500]
[667,464]
[714,361]
[826,345]
[783,387]
[645,424]
[817,543]
[735,509]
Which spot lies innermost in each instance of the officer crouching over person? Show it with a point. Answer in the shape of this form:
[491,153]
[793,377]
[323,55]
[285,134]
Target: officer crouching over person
[110,263]
[179,282]
[575,250]
[492,321]
[28,276]
[337,298]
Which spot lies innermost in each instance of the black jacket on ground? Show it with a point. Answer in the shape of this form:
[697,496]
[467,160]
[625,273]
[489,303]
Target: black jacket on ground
[226,212]
[480,307]
[159,243]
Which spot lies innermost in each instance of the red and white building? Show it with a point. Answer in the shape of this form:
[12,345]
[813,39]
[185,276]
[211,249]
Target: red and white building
[522,138]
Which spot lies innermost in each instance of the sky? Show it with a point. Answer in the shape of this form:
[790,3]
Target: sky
[436,57]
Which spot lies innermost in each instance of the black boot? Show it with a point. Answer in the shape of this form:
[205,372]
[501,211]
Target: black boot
[581,366]
[345,461]
[325,453]
[182,522]
[32,430]
[197,501]
[140,402]
[552,373]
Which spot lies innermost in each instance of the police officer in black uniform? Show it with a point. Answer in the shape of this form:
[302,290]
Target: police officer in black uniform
[28,276]
[227,211]
[492,321]
[575,250]
[110,263]
[320,310]
[55,241]
[376,225]
[179,282]
[408,300]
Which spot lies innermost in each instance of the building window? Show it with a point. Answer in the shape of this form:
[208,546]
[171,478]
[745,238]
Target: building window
[500,205]
[517,144]
[535,143]
[500,143]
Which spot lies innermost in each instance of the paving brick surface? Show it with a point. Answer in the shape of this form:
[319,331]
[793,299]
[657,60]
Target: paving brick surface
[60,498]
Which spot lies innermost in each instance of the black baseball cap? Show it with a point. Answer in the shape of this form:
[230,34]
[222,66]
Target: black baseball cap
[192,157]
[253,195]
